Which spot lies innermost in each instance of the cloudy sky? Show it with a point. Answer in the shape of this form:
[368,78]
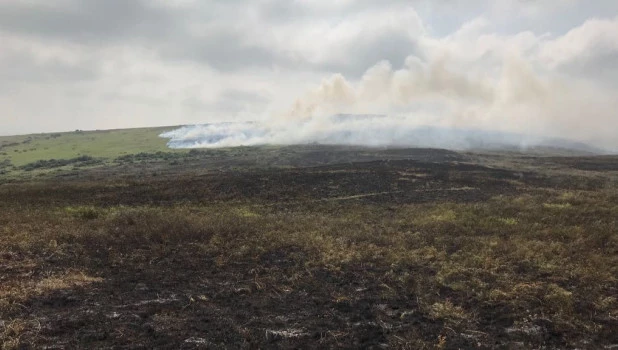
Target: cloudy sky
[539,66]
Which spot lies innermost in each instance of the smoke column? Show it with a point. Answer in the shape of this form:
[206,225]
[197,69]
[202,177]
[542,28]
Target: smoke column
[463,91]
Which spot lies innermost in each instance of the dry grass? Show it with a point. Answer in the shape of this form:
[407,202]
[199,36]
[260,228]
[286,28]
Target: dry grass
[539,267]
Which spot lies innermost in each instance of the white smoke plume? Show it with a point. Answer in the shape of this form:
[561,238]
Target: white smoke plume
[469,89]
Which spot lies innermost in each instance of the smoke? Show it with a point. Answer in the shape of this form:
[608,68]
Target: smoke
[470,89]
[354,130]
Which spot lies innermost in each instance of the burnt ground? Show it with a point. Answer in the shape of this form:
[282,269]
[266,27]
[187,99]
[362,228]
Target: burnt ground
[396,181]
[405,252]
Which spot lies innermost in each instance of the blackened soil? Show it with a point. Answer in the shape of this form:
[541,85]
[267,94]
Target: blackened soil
[187,299]
[396,181]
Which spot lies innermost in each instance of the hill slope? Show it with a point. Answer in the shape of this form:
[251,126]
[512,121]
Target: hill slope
[24,149]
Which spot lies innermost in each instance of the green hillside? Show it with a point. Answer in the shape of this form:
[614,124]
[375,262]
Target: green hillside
[24,149]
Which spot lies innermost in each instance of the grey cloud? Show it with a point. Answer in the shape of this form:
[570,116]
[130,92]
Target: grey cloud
[87,21]
[21,68]
[165,28]
[223,44]
[284,11]
[390,46]
[137,23]
[243,96]
[227,105]
[227,45]
[232,102]
[222,50]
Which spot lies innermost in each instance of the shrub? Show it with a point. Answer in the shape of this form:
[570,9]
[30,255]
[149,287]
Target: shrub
[84,212]
[57,163]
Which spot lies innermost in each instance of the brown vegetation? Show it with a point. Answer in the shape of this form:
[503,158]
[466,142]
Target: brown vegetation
[401,254]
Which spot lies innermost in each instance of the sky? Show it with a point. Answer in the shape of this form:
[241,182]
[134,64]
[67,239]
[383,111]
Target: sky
[547,67]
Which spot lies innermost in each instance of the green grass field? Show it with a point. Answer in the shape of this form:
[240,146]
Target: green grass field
[109,144]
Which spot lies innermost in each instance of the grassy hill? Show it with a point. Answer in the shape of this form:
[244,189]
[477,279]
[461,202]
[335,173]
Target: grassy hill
[109,144]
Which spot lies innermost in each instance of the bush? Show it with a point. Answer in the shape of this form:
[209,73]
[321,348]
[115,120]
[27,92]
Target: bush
[57,163]
[155,157]
[84,212]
